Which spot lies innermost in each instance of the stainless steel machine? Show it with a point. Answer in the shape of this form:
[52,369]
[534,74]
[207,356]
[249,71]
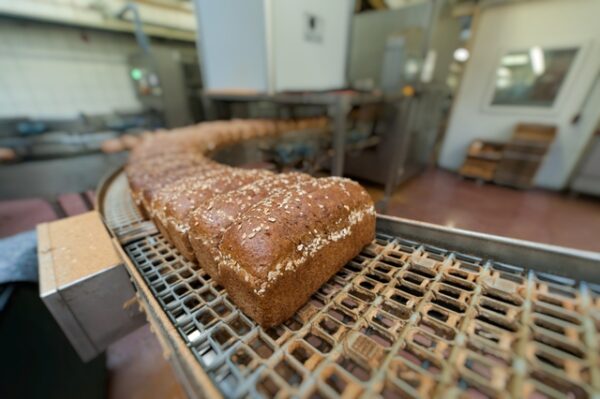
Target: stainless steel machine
[165,80]
[169,82]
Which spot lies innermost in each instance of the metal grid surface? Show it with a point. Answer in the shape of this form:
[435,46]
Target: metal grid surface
[120,213]
[402,319]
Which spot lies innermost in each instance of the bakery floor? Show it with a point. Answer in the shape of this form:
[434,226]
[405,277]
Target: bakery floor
[136,365]
[442,197]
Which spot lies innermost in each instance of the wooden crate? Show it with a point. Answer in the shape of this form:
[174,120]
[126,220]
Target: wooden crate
[482,160]
[523,155]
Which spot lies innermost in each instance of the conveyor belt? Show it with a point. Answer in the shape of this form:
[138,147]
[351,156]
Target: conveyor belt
[403,319]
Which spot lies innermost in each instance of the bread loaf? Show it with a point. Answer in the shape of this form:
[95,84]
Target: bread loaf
[285,247]
[152,188]
[143,172]
[151,194]
[270,240]
[192,193]
[161,199]
[209,222]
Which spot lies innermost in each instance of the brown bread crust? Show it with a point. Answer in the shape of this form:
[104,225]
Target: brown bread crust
[277,254]
[281,300]
[154,187]
[210,222]
[193,193]
[141,174]
[158,205]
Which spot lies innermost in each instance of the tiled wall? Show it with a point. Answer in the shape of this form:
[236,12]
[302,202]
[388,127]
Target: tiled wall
[49,71]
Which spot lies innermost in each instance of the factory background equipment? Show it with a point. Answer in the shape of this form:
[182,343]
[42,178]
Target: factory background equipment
[56,156]
[381,138]
[164,80]
[169,82]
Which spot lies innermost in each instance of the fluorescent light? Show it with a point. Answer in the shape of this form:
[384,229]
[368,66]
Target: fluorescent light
[461,54]
[428,66]
[515,59]
[538,63]
[503,72]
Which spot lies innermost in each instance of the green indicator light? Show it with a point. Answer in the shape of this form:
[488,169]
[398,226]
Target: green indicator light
[136,74]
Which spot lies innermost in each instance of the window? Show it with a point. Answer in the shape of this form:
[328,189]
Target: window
[533,77]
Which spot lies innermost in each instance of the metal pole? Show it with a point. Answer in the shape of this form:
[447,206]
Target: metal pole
[140,36]
[338,111]
[209,108]
[434,11]
[400,130]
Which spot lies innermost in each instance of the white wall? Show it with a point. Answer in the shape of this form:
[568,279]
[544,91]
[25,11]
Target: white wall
[52,72]
[519,25]
[172,19]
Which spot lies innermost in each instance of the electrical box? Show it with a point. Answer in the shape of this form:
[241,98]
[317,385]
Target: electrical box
[168,81]
[262,46]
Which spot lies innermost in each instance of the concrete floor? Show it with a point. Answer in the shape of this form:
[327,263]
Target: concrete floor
[136,364]
[441,197]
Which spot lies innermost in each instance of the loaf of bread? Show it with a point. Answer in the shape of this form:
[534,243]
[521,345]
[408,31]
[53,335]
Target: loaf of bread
[269,240]
[286,246]
[160,199]
[143,173]
[211,221]
[179,201]
[152,189]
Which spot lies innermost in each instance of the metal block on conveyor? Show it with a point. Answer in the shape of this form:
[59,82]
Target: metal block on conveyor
[366,349]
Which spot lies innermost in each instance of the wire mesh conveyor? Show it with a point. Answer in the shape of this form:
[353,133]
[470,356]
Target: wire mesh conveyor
[402,319]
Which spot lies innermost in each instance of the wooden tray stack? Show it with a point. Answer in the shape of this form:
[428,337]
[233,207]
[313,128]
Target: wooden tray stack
[513,164]
[524,154]
[482,160]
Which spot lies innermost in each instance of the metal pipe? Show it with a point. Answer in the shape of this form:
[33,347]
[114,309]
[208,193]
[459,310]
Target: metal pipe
[140,36]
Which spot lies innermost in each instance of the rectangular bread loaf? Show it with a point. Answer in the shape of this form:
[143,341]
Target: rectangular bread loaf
[190,194]
[154,198]
[153,188]
[209,222]
[141,174]
[285,247]
[158,206]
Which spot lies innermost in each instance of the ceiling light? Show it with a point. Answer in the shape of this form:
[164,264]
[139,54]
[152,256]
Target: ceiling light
[515,59]
[538,63]
[461,54]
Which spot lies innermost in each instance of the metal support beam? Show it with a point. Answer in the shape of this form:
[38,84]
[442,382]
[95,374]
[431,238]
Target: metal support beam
[338,111]
[400,131]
